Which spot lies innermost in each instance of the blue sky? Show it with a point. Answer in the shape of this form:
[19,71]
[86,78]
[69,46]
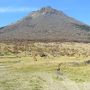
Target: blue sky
[13,10]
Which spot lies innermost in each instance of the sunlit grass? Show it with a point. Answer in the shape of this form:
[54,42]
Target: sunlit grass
[21,72]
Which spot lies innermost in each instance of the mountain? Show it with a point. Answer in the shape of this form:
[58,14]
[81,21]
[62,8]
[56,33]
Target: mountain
[46,24]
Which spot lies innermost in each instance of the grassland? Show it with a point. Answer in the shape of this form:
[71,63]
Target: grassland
[34,66]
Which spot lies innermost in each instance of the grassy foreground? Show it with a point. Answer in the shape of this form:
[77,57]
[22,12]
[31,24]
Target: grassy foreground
[26,74]
[38,71]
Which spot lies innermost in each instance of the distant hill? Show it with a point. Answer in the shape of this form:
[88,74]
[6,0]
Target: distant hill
[46,24]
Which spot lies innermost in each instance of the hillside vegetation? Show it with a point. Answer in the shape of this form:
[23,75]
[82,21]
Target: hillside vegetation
[53,49]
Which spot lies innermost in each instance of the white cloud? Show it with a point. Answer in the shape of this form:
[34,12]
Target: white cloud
[13,9]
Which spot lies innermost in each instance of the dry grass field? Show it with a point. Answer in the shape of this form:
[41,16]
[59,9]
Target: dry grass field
[33,66]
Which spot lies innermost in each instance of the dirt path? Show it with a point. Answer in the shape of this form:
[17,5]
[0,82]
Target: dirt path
[53,82]
[60,82]
[69,84]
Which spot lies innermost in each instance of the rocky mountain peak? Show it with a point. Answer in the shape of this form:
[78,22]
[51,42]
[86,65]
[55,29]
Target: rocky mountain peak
[49,10]
[46,11]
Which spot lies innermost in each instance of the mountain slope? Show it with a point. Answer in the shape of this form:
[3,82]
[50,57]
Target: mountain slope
[47,24]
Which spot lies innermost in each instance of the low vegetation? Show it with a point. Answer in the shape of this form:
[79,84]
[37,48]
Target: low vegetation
[44,66]
[83,27]
[45,49]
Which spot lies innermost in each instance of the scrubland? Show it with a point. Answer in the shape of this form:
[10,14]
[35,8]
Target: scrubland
[33,66]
